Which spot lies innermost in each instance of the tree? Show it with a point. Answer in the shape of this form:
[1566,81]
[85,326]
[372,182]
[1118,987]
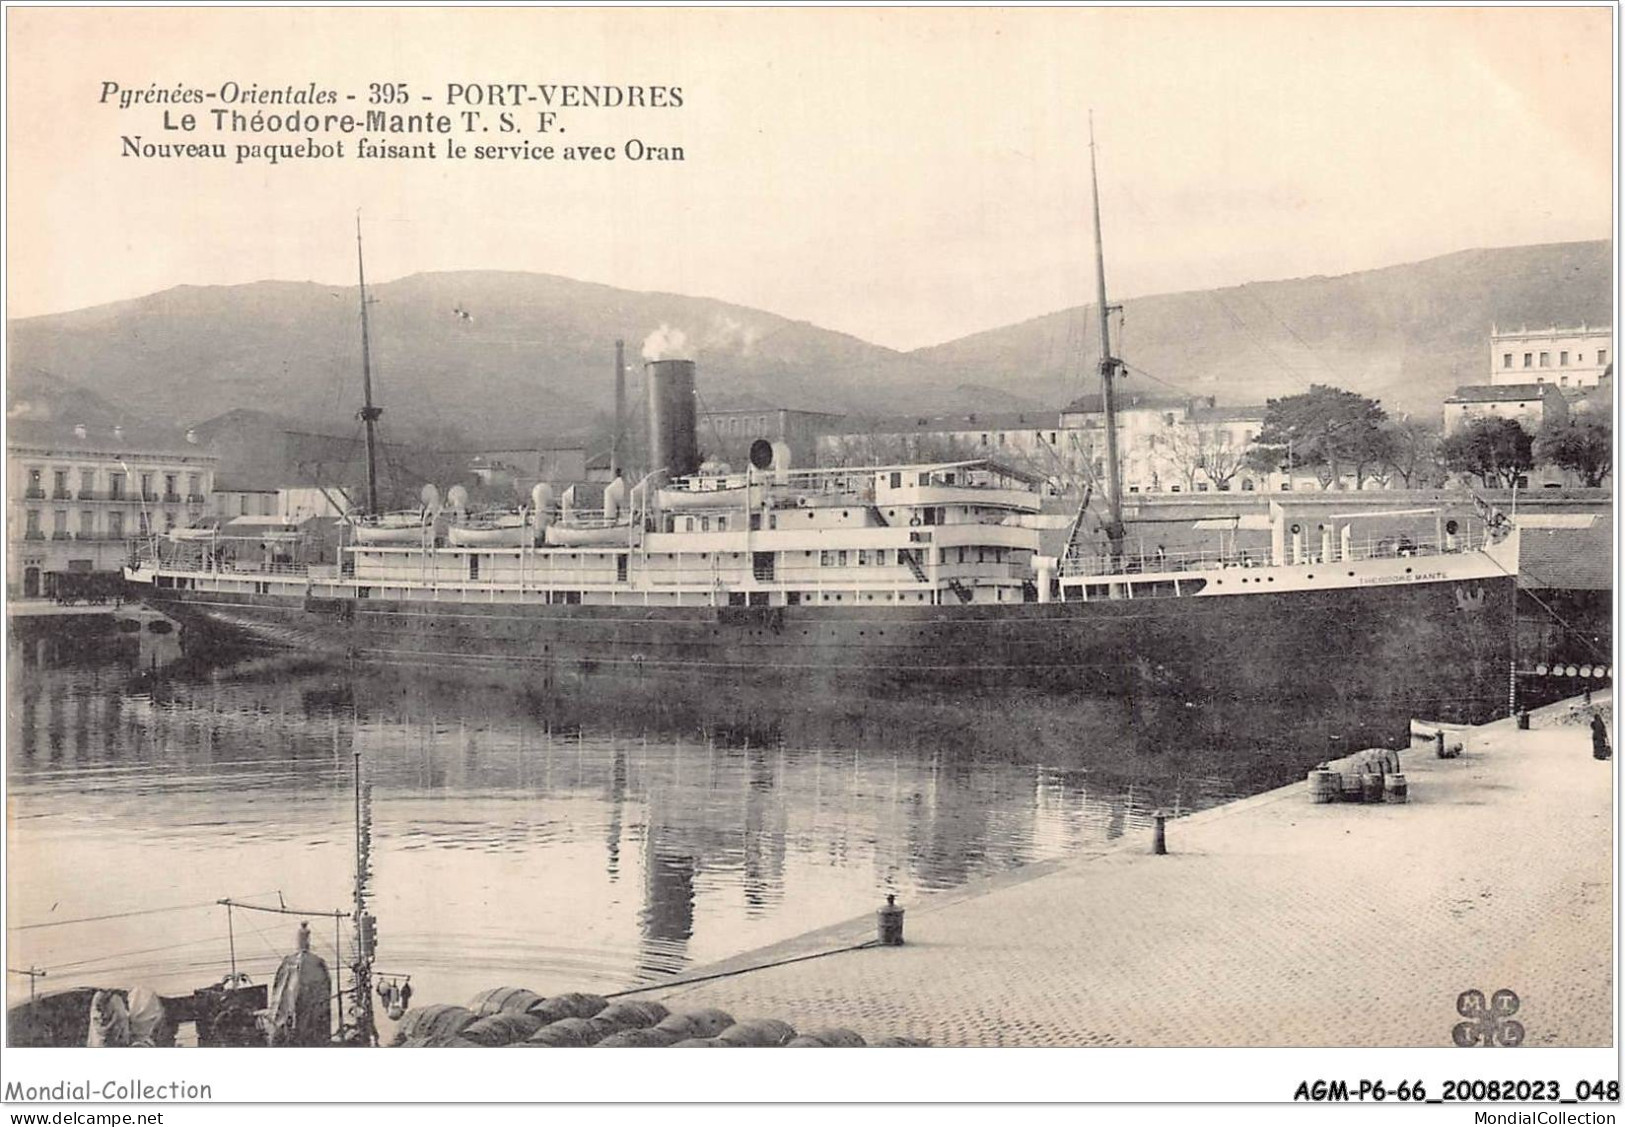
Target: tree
[1325,429]
[1583,446]
[1413,452]
[1498,451]
[1194,448]
[1184,445]
[1221,461]
[1371,456]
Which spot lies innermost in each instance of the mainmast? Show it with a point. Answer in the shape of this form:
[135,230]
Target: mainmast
[369,413]
[1110,368]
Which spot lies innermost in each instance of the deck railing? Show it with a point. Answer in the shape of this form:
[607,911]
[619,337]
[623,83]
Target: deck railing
[1375,548]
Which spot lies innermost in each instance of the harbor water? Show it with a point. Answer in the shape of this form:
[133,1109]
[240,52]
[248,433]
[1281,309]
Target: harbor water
[570,835]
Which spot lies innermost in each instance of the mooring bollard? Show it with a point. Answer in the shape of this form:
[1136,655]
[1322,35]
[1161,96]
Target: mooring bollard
[1439,735]
[891,923]
[1159,835]
[1523,718]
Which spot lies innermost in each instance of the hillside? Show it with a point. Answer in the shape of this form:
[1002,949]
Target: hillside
[534,354]
[1407,335]
[518,357]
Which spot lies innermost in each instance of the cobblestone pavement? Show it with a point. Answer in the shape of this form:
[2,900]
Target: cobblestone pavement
[1272,921]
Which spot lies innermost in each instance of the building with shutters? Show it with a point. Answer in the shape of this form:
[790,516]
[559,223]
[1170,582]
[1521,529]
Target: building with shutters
[78,495]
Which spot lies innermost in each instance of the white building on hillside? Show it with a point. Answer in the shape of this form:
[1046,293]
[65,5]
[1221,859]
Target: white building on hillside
[1569,359]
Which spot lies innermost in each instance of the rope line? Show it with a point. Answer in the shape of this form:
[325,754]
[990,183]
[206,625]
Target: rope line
[742,970]
[124,915]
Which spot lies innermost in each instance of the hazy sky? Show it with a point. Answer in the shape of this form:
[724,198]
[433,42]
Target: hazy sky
[908,176]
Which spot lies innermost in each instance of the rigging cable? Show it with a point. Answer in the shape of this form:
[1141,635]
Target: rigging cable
[120,915]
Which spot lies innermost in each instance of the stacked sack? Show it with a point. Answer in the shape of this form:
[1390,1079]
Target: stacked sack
[517,1018]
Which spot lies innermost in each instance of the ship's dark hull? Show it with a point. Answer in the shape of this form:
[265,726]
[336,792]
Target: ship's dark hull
[1434,649]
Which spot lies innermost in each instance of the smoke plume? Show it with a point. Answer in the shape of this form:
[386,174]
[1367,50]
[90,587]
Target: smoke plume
[665,342]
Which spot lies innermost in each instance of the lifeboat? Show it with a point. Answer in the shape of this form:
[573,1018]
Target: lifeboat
[503,530]
[587,535]
[722,497]
[392,528]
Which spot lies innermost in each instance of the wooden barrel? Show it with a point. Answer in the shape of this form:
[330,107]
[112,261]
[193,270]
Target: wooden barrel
[1353,788]
[1371,787]
[1394,788]
[1325,786]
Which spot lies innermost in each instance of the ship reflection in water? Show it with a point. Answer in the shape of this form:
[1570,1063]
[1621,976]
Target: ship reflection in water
[581,835]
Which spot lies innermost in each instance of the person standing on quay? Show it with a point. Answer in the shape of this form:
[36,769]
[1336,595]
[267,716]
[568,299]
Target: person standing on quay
[1599,738]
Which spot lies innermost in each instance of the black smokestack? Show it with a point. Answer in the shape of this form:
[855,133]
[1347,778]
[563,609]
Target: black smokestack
[673,437]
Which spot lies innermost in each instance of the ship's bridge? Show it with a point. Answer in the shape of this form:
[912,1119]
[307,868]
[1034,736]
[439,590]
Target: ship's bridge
[984,484]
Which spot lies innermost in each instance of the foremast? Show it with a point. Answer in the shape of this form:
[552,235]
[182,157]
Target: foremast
[369,413]
[1111,368]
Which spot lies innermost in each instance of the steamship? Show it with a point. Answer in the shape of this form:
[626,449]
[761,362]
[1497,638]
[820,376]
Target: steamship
[885,577]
